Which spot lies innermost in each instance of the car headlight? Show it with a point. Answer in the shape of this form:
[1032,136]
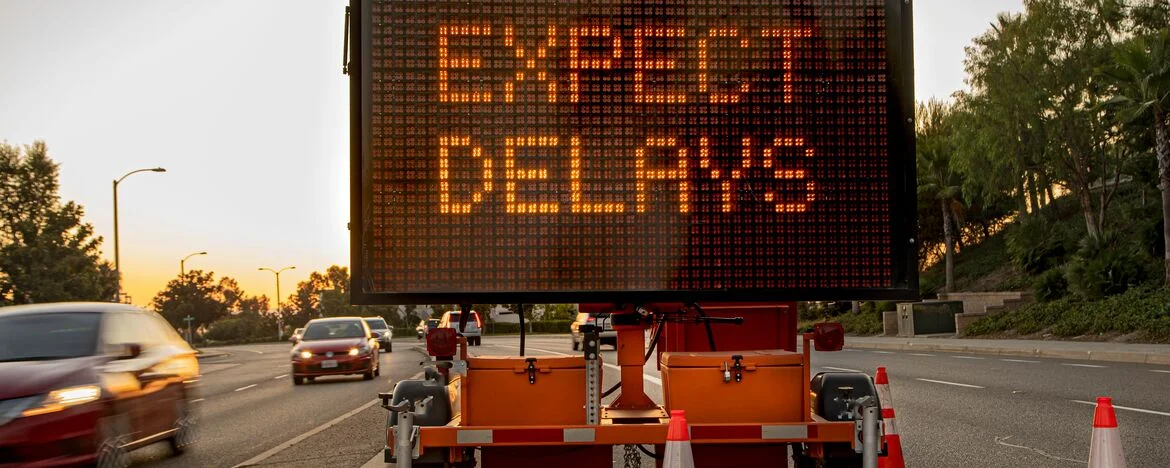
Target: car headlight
[353,352]
[60,399]
[306,354]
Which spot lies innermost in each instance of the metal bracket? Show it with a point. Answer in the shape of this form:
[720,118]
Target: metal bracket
[737,367]
[345,52]
[591,345]
[531,370]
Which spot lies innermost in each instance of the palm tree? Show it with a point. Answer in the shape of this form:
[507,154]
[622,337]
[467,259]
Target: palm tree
[1141,77]
[937,177]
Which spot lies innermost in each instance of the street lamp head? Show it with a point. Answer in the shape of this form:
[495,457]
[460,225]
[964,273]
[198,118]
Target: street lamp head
[158,169]
[201,253]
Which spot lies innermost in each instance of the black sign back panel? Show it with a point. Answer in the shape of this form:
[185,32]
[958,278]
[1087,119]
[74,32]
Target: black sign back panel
[576,151]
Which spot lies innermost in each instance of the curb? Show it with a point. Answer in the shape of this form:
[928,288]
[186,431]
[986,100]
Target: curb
[1101,356]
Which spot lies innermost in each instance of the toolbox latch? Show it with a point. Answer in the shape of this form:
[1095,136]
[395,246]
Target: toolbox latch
[737,367]
[531,370]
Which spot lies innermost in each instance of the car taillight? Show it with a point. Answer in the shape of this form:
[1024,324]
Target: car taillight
[591,320]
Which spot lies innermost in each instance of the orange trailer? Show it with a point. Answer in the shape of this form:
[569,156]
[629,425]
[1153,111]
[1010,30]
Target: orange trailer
[743,406]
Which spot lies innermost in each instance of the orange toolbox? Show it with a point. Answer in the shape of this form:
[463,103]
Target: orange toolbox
[735,386]
[518,391]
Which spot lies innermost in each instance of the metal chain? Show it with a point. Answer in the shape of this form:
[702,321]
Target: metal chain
[632,457]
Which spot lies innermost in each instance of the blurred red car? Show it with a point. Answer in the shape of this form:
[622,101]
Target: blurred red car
[335,346]
[85,383]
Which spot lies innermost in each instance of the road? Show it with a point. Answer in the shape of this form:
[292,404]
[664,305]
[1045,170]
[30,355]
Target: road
[953,410]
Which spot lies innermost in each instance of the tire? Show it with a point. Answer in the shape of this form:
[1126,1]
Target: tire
[298,380]
[378,369]
[111,442]
[369,375]
[390,347]
[186,425]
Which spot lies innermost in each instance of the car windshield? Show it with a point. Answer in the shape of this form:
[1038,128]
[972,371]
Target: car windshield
[333,330]
[38,337]
[377,324]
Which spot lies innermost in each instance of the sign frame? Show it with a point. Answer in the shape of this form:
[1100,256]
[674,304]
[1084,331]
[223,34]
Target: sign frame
[902,191]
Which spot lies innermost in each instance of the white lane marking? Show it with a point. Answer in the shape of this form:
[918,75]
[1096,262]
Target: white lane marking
[1002,441]
[950,383]
[842,369]
[197,400]
[1091,366]
[1160,371]
[852,350]
[1139,410]
[281,376]
[966,357]
[295,440]
[248,350]
[921,354]
[1020,360]
[882,352]
[245,387]
[649,378]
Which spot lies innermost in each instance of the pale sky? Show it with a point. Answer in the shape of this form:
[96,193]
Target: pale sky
[243,102]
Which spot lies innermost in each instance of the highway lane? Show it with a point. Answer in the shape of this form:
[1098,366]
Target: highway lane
[963,410]
[953,410]
[249,405]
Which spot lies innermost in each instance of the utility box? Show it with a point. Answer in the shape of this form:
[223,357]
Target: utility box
[927,318]
[507,390]
[766,386]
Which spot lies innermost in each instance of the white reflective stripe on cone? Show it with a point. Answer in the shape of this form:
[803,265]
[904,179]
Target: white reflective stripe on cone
[1105,450]
[678,455]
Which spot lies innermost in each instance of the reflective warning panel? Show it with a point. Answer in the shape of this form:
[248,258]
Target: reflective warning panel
[586,150]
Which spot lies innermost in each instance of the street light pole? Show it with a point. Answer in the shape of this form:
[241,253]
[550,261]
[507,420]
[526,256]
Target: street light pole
[279,330]
[117,252]
[183,261]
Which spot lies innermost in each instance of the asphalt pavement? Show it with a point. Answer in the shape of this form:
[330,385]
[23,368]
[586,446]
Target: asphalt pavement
[954,410]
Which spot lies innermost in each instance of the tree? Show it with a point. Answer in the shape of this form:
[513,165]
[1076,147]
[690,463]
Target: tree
[1141,78]
[937,178]
[47,252]
[194,294]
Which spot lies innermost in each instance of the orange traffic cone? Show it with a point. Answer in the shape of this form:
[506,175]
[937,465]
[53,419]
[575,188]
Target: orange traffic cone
[891,439]
[1105,449]
[678,442]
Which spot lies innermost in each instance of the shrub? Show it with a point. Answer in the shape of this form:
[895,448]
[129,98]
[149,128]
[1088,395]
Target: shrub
[549,326]
[1037,245]
[1106,267]
[503,328]
[238,329]
[1050,285]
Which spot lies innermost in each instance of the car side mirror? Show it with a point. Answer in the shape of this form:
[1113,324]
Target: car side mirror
[130,351]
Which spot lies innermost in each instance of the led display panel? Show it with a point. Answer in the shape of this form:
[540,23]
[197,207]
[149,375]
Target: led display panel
[605,150]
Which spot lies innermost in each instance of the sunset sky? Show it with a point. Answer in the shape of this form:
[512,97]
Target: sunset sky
[244,104]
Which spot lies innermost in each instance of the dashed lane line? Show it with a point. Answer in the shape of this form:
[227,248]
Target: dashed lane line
[968,357]
[1091,366]
[1160,371]
[256,460]
[842,369]
[197,400]
[921,354]
[245,387]
[1020,360]
[882,352]
[281,376]
[956,384]
[1138,410]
